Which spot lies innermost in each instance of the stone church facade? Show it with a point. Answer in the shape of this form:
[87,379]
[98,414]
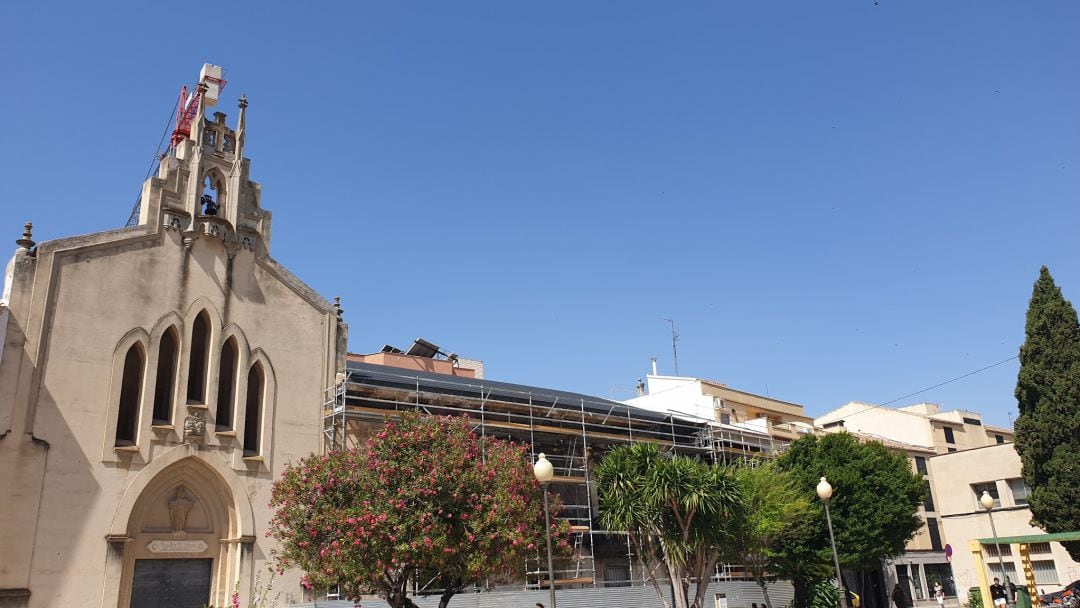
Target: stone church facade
[154,381]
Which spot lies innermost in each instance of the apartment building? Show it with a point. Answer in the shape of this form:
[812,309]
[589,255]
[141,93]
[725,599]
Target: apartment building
[922,424]
[757,425]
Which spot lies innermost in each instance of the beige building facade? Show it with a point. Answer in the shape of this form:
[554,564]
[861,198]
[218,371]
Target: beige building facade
[154,381]
[960,479]
[922,424]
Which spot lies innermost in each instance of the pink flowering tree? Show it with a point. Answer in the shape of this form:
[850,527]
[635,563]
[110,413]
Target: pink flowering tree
[426,500]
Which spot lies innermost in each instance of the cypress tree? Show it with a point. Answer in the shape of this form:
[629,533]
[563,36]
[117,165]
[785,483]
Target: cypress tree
[1048,395]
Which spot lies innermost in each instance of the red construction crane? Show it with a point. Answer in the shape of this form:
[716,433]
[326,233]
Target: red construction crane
[188,107]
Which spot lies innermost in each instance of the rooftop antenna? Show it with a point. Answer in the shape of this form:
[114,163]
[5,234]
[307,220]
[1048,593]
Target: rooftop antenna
[674,343]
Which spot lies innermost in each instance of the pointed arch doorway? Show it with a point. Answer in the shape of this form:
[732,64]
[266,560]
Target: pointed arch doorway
[184,538]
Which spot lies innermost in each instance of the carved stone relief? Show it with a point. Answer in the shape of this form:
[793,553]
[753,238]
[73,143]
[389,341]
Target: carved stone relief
[179,507]
[194,427]
[175,221]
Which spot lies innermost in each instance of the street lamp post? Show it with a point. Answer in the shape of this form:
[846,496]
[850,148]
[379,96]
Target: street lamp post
[543,471]
[987,502]
[824,492]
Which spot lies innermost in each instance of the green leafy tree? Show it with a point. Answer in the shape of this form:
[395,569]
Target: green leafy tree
[776,512]
[426,499]
[874,507]
[677,511]
[1048,395]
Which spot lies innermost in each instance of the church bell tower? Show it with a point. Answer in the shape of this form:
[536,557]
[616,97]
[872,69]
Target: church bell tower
[203,187]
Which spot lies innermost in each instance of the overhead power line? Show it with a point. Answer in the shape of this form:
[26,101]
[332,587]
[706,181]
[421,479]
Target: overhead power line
[871,406]
[940,384]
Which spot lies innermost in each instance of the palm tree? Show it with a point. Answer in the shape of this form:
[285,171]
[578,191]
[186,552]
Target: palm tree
[678,512]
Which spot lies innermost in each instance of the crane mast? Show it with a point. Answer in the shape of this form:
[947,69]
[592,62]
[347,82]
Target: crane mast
[211,82]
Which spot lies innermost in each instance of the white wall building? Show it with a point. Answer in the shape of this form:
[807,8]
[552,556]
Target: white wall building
[728,408]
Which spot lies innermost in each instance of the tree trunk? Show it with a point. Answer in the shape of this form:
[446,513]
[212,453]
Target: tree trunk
[679,588]
[680,596]
[703,574]
[764,592]
[444,599]
[803,590]
[659,591]
[399,598]
[649,567]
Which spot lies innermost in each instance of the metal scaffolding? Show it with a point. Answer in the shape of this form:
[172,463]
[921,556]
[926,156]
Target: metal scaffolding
[571,429]
[735,446]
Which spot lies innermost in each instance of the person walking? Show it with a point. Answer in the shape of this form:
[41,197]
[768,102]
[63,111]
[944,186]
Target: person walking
[998,594]
[939,595]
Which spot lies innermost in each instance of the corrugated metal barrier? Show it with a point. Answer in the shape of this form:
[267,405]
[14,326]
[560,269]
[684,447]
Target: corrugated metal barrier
[739,594]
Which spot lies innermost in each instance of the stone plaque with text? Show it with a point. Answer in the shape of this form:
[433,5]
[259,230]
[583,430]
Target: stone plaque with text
[177,546]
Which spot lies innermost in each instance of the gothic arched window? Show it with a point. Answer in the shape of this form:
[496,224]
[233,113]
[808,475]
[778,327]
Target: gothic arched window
[200,351]
[226,385]
[253,411]
[127,414]
[168,353]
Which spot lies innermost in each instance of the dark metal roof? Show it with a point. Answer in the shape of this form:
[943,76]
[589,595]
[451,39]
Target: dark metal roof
[382,375]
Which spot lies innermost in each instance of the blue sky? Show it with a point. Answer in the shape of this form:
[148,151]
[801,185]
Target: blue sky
[834,200]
